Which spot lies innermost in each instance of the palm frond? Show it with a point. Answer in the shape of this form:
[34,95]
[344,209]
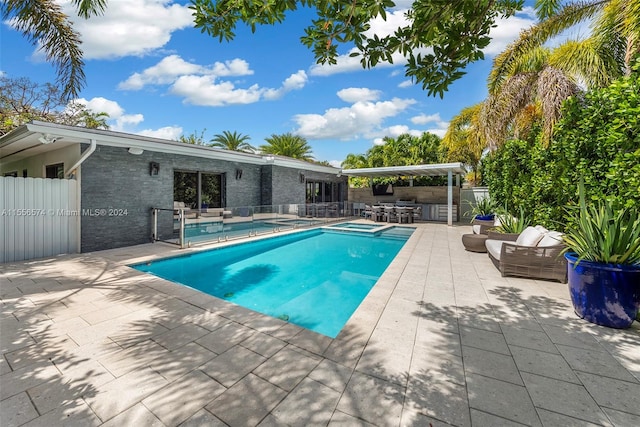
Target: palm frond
[554,87]
[537,35]
[43,22]
[588,60]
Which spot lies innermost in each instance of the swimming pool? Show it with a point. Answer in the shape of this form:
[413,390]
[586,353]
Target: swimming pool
[211,230]
[315,279]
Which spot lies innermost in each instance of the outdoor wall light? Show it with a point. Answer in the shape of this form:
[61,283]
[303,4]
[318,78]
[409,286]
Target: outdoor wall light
[302,178]
[154,168]
[136,151]
[238,173]
[269,158]
[47,138]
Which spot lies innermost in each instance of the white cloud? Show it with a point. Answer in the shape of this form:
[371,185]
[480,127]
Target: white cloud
[406,83]
[363,118]
[207,91]
[295,81]
[167,132]
[438,126]
[423,119]
[170,68]
[336,163]
[355,94]
[132,27]
[508,30]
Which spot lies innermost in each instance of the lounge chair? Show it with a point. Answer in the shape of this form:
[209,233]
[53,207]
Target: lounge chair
[534,253]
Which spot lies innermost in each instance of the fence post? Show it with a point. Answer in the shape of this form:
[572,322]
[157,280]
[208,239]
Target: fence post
[181,217]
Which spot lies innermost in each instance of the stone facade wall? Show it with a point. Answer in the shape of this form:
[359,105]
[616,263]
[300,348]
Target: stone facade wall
[114,182]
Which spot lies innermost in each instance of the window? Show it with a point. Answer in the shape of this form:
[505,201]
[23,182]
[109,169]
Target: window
[55,171]
[323,191]
[188,187]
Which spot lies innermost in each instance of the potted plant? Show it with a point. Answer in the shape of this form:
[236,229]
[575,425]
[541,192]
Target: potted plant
[510,227]
[603,256]
[482,210]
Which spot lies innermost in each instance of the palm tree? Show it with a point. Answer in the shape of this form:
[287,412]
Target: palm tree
[287,145]
[43,22]
[528,76]
[194,138]
[465,138]
[232,141]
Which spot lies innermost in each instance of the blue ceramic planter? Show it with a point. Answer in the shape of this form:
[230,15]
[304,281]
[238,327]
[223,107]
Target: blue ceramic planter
[485,217]
[605,294]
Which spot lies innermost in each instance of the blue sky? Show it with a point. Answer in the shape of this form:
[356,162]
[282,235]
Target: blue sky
[154,74]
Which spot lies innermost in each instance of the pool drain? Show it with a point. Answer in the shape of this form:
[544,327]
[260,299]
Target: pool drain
[228,294]
[284,317]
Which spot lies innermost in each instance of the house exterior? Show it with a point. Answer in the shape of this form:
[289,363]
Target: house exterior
[126,175]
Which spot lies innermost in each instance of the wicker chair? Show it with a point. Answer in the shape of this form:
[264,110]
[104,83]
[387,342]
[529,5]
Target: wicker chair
[539,262]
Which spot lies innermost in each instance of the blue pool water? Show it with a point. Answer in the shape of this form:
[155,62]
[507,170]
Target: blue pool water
[356,226]
[212,229]
[315,279]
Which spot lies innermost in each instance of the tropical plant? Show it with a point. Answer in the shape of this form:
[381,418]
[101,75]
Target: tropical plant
[454,31]
[481,207]
[287,145]
[528,75]
[232,141]
[194,138]
[22,100]
[465,138]
[44,23]
[510,224]
[599,233]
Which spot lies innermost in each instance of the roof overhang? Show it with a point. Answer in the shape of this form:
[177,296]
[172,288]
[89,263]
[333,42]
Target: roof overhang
[436,169]
[38,137]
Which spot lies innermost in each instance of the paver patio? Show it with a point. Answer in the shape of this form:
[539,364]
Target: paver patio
[442,339]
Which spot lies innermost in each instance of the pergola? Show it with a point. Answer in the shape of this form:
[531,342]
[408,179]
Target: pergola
[435,169]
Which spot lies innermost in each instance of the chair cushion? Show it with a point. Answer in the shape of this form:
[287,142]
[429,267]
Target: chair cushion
[529,237]
[476,228]
[494,247]
[541,229]
[552,238]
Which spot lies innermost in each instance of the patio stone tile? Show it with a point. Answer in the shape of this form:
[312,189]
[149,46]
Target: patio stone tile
[225,337]
[385,363]
[12,337]
[501,399]
[232,365]
[478,321]
[613,393]
[479,418]
[595,362]
[285,332]
[40,352]
[553,419]
[331,374]
[247,402]
[271,421]
[25,378]
[74,413]
[137,415]
[445,365]
[17,410]
[286,368]
[570,336]
[551,394]
[182,335]
[179,362]
[413,418]
[485,340]
[619,418]
[433,395]
[311,341]
[182,398]
[122,393]
[96,316]
[203,418]
[372,399]
[542,363]
[490,364]
[4,366]
[346,351]
[263,344]
[309,403]
[536,340]
[340,419]
[133,358]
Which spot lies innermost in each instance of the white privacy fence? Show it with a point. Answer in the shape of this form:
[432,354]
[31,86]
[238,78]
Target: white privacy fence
[38,218]
[468,198]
